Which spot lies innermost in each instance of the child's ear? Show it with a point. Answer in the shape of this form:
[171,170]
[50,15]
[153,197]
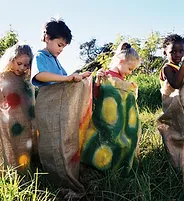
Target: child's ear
[121,61]
[46,38]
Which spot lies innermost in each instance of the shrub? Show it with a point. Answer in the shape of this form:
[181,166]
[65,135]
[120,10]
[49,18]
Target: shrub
[149,95]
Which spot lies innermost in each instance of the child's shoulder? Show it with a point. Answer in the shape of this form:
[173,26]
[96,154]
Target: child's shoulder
[42,54]
[166,65]
[170,67]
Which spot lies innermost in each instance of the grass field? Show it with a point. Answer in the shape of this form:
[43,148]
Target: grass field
[151,179]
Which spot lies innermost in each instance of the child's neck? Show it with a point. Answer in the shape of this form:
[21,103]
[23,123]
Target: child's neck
[46,49]
[116,70]
[116,73]
[177,64]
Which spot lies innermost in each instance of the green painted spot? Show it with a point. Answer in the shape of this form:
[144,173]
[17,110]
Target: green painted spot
[32,111]
[16,129]
[28,89]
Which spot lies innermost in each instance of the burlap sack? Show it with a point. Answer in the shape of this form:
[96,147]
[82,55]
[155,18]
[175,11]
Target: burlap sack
[171,125]
[112,136]
[16,115]
[60,111]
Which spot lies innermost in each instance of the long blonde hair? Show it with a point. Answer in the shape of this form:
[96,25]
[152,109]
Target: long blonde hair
[13,52]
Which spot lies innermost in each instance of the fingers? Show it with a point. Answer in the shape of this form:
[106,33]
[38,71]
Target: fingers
[77,77]
[101,73]
[85,74]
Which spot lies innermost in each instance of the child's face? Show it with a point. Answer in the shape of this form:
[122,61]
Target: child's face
[21,64]
[175,52]
[126,67]
[55,46]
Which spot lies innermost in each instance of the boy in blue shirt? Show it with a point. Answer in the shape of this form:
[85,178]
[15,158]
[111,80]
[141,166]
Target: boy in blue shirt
[56,148]
[46,68]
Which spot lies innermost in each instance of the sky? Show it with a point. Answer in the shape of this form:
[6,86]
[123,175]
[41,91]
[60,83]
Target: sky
[100,19]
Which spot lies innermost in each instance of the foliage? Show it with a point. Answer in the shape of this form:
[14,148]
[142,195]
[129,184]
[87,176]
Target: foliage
[146,48]
[147,51]
[10,39]
[149,95]
[90,50]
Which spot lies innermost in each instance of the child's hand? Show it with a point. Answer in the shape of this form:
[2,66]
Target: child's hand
[70,78]
[77,77]
[100,73]
[182,64]
[85,74]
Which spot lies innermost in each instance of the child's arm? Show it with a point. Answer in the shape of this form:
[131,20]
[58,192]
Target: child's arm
[174,79]
[51,77]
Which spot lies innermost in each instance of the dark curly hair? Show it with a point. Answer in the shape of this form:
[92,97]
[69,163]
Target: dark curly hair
[173,38]
[57,29]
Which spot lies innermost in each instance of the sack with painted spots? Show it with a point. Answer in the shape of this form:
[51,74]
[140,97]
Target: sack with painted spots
[113,133]
[61,109]
[16,116]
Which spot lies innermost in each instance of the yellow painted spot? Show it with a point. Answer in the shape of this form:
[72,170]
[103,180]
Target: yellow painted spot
[132,117]
[90,132]
[109,110]
[24,160]
[102,157]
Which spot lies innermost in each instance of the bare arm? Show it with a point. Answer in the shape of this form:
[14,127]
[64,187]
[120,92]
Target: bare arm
[51,77]
[174,79]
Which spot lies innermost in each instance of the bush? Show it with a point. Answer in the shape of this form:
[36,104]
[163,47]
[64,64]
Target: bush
[149,95]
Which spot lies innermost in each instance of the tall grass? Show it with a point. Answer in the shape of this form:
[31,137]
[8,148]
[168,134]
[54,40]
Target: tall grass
[152,178]
[14,187]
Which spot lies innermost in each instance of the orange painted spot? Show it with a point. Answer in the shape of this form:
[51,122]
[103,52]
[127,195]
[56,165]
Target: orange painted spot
[37,133]
[24,160]
[84,123]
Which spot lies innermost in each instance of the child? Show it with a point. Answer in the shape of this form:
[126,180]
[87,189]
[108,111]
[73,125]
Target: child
[57,109]
[16,107]
[113,133]
[171,73]
[46,68]
[171,123]
[123,63]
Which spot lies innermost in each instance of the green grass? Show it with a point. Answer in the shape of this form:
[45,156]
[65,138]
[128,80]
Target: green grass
[152,178]
[14,187]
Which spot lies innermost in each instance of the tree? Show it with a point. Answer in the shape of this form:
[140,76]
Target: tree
[96,57]
[10,39]
[90,50]
[147,51]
